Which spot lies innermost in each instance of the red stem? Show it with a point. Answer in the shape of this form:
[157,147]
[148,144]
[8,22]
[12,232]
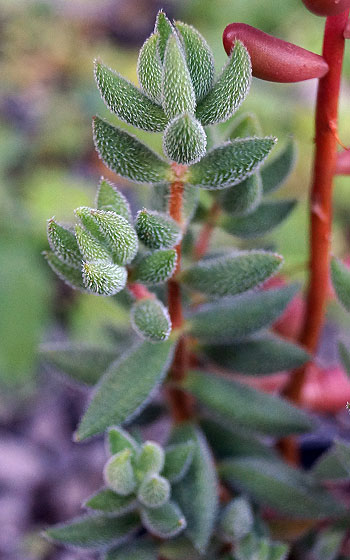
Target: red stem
[321,194]
[203,241]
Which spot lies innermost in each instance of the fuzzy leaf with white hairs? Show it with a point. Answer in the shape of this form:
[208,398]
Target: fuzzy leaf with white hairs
[151,320]
[118,233]
[155,230]
[118,473]
[68,274]
[89,247]
[178,459]
[231,274]
[149,69]
[229,164]
[199,59]
[139,549]
[103,277]
[276,172]
[150,460]
[164,29]
[154,491]
[244,198]
[156,267]
[127,156]
[178,95]
[106,501]
[119,439]
[126,387]
[164,522]
[184,139]
[237,520]
[110,198]
[63,243]
[127,101]
[229,91]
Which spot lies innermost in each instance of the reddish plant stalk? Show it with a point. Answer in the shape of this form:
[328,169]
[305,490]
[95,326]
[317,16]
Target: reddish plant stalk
[179,401]
[204,237]
[321,194]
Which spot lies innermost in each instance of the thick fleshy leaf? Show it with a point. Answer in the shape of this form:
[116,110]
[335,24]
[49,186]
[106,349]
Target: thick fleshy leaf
[139,549]
[244,406]
[127,101]
[127,156]
[164,522]
[63,243]
[126,387]
[237,520]
[199,59]
[268,215]
[260,356]
[229,91]
[154,491]
[117,233]
[178,459]
[164,29]
[344,354]
[90,248]
[252,547]
[104,277]
[276,172]
[94,532]
[341,282]
[110,198]
[197,493]
[238,317]
[243,126]
[276,484]
[155,230]
[119,439]
[156,267]
[69,274]
[80,362]
[151,319]
[184,139]
[178,95]
[229,164]
[334,464]
[107,501]
[150,460]
[118,473]
[149,69]
[243,198]
[231,274]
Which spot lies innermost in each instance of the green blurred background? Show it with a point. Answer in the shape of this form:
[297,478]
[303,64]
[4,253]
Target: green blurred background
[47,161]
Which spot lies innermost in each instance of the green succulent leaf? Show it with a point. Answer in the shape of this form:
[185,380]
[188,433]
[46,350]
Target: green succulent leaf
[252,409]
[164,522]
[231,274]
[252,547]
[119,474]
[229,164]
[63,243]
[156,267]
[276,172]
[149,69]
[199,59]
[164,29]
[329,543]
[184,139]
[126,387]
[155,230]
[103,277]
[246,124]
[90,248]
[178,459]
[268,215]
[154,491]
[341,282]
[150,460]
[80,362]
[344,357]
[334,464]
[151,320]
[244,198]
[178,95]
[237,520]
[198,491]
[239,317]
[229,91]
[106,501]
[277,485]
[139,549]
[127,102]
[94,532]
[260,356]
[69,274]
[118,440]
[110,198]
[127,156]
[179,548]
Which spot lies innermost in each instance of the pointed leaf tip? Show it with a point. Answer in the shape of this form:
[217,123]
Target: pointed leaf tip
[151,320]
[184,140]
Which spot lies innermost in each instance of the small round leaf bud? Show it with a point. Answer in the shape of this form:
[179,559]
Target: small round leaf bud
[154,491]
[150,460]
[119,473]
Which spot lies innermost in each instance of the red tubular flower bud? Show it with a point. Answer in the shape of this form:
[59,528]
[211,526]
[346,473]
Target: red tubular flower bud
[273,59]
[327,7]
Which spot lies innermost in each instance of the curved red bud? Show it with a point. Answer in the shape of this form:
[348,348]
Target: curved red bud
[327,7]
[273,59]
